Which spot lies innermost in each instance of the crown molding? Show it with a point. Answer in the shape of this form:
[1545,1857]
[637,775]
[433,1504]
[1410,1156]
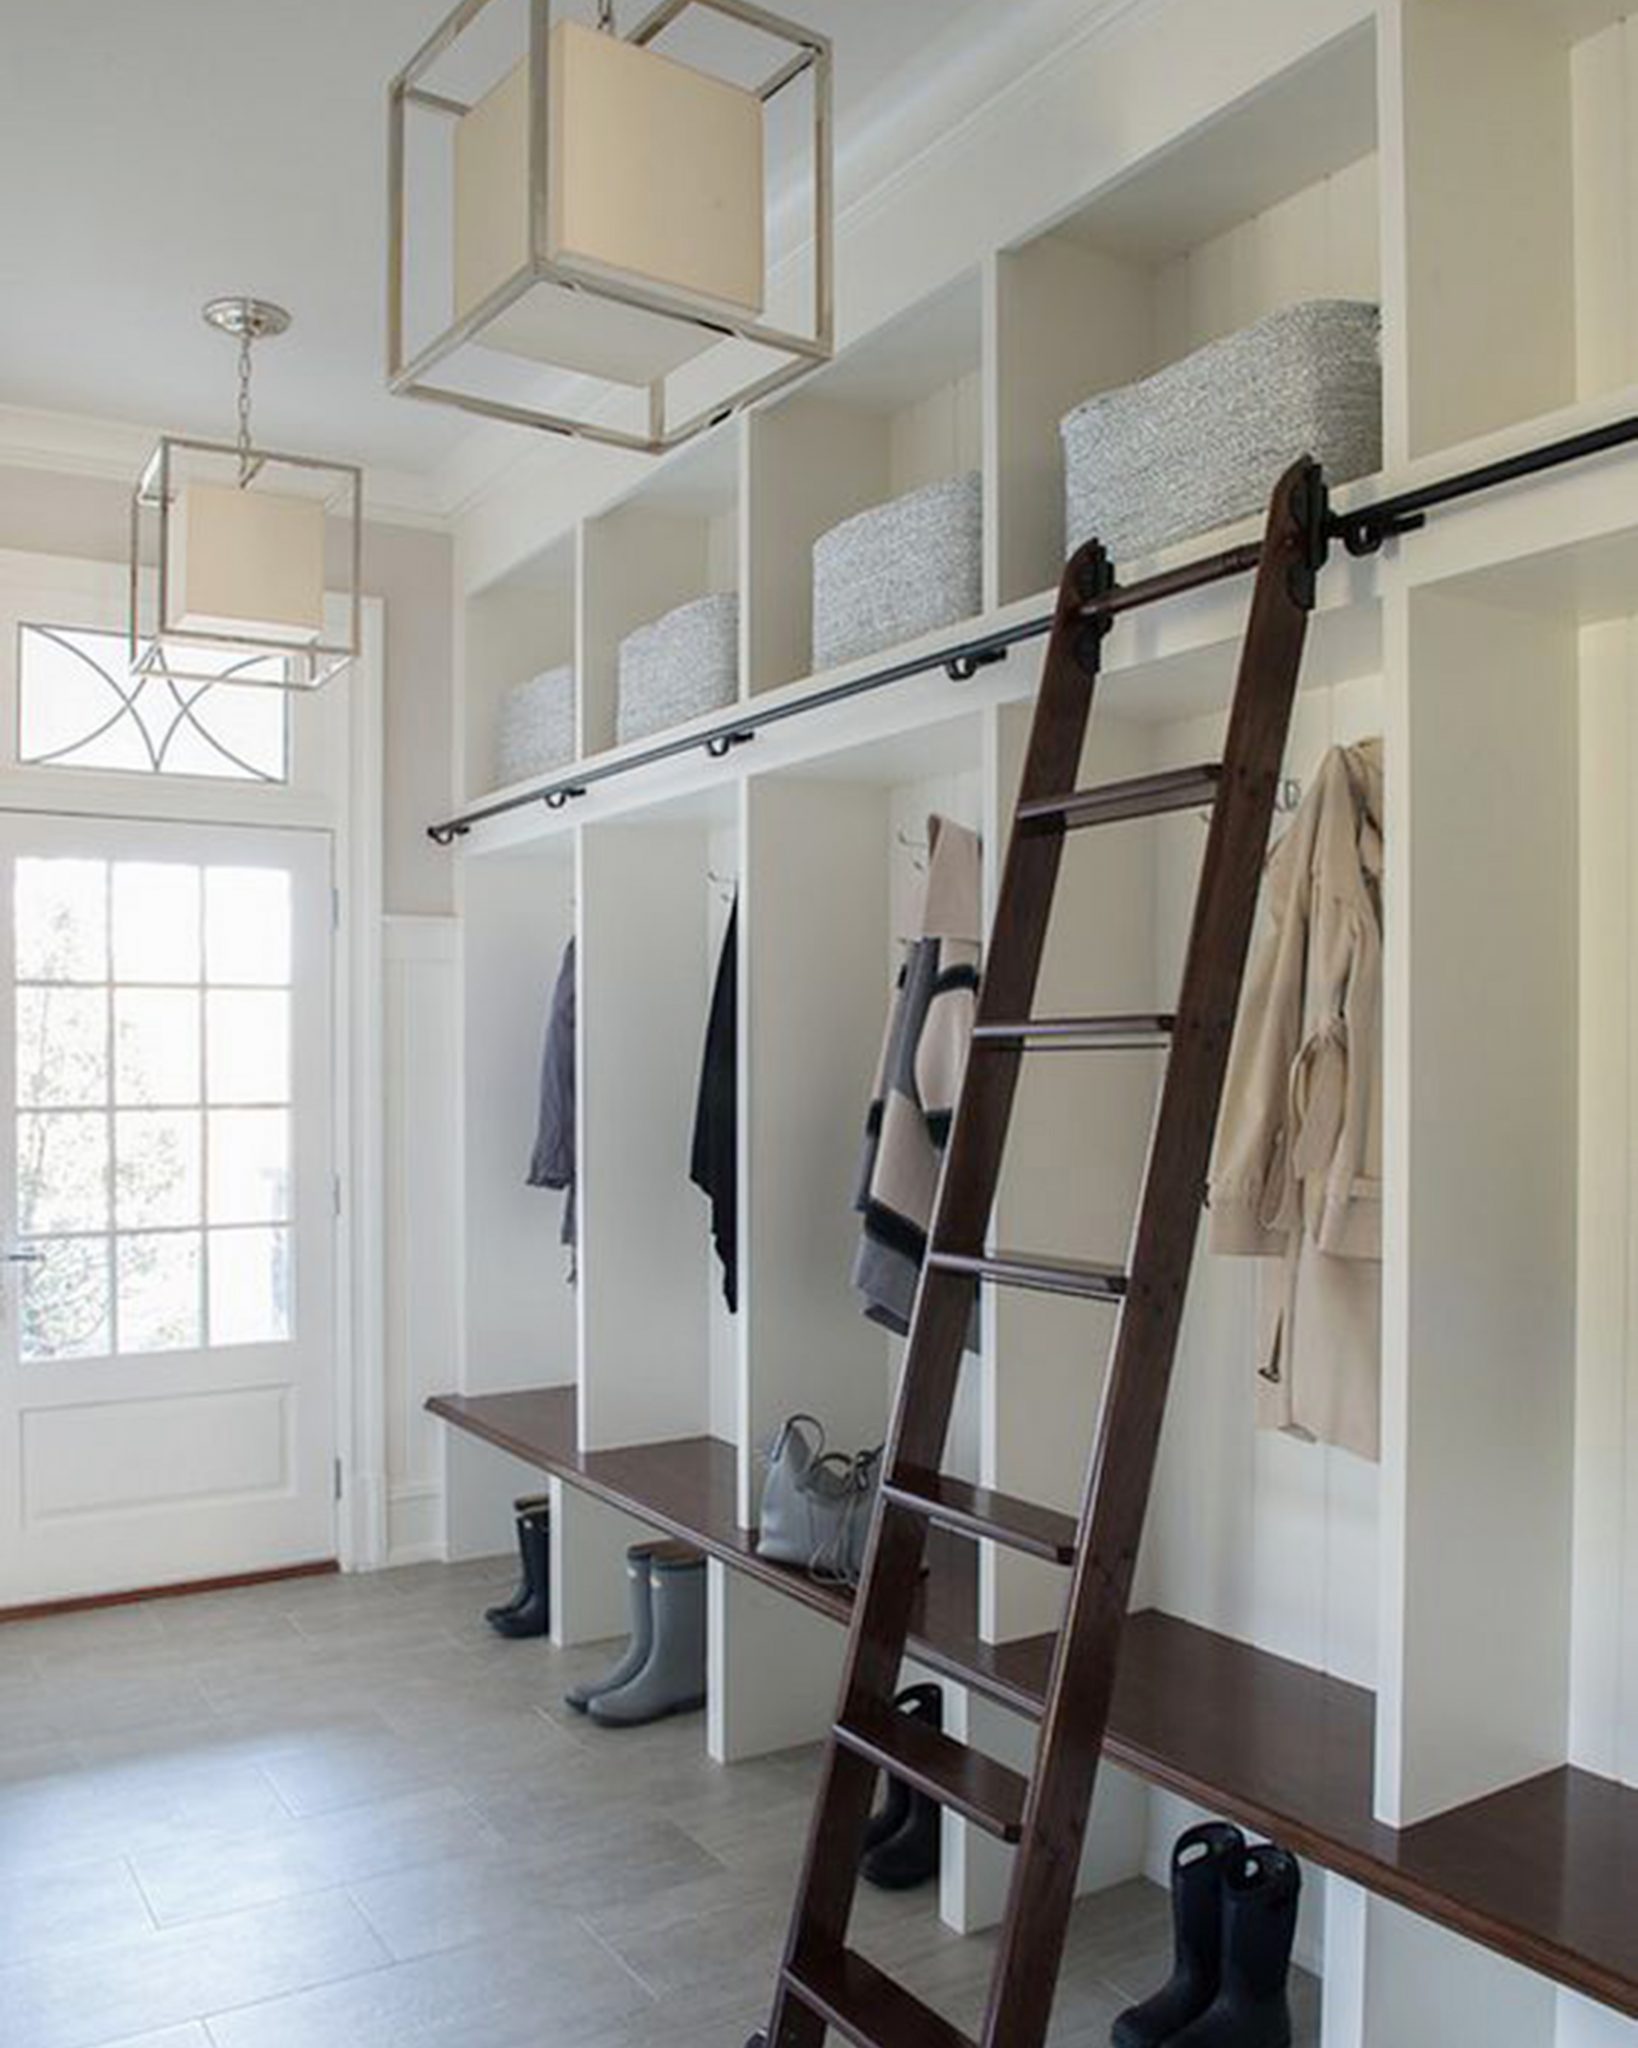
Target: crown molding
[113,451]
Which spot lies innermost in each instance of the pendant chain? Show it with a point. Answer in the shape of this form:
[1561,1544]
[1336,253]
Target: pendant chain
[244,409]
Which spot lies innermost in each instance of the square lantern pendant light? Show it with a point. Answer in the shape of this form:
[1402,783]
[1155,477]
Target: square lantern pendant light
[580,220]
[230,545]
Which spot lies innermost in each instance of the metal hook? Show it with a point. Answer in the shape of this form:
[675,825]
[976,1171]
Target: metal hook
[961,668]
[555,799]
[726,886]
[919,850]
[721,744]
[1287,800]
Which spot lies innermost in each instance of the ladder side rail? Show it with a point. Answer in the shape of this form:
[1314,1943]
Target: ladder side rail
[1081,1687]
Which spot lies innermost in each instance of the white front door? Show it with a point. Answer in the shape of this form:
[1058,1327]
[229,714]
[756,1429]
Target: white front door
[167,1209]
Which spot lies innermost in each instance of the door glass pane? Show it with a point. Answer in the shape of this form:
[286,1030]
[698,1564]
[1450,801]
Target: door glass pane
[249,1286]
[156,921]
[249,1166]
[62,920]
[247,1046]
[62,1172]
[65,1299]
[247,925]
[62,1048]
[156,1045]
[159,1291]
[156,1168]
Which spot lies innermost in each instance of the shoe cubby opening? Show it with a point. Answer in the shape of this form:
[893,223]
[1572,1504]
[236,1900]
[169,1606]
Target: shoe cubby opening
[659,1348]
[837,860]
[673,540]
[1519,138]
[897,411]
[517,628]
[1272,202]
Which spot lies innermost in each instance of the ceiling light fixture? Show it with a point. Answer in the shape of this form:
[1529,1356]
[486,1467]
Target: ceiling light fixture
[579,221]
[229,548]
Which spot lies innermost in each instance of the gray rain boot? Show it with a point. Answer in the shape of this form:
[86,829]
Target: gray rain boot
[673,1679]
[636,1652]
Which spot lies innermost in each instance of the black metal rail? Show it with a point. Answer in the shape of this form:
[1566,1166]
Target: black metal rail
[1362,530]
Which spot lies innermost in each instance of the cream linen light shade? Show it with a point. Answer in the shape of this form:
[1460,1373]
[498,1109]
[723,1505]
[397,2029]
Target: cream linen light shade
[247,563]
[654,175]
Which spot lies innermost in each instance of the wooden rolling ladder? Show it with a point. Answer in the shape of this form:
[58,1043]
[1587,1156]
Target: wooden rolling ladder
[822,1982]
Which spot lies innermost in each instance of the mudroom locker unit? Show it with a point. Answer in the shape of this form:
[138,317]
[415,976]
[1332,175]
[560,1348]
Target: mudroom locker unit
[1419,1672]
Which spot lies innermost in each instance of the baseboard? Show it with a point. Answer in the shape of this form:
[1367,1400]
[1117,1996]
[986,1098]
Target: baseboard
[415,1525]
[84,1603]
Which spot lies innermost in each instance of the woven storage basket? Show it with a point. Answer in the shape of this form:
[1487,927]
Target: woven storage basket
[536,727]
[1205,440]
[679,666]
[886,575]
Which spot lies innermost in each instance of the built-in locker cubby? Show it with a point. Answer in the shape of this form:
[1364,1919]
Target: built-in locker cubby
[837,856]
[899,410]
[658,1347]
[673,539]
[1520,166]
[1273,202]
[515,629]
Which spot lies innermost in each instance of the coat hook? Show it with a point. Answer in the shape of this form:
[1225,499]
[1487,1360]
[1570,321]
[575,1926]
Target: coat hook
[726,886]
[1287,800]
[919,850]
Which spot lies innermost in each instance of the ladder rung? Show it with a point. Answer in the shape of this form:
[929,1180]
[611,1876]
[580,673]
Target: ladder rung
[1141,796]
[963,1779]
[855,1997]
[979,1511]
[1047,1276]
[1115,1034]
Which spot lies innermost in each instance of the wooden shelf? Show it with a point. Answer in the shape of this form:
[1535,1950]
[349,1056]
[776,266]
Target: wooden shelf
[1545,1873]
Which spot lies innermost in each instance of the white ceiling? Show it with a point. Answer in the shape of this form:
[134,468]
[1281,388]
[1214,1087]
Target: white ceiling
[156,153]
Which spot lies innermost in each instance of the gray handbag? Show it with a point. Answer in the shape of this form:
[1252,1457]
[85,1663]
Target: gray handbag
[817,1504]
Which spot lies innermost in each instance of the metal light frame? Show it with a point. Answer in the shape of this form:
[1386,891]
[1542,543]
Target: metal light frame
[409,378]
[153,652]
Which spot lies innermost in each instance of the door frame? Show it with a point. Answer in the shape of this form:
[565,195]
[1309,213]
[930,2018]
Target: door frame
[345,797]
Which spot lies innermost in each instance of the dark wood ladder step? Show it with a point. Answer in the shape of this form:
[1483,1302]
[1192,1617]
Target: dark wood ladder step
[1116,1034]
[963,1779]
[1081,1277]
[1139,796]
[980,1511]
[855,1997]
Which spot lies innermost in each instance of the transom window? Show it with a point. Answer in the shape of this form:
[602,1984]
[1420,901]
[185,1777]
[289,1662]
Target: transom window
[153,1099]
[79,706]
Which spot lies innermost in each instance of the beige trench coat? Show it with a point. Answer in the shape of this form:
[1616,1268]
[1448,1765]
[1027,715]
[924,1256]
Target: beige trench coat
[1297,1170]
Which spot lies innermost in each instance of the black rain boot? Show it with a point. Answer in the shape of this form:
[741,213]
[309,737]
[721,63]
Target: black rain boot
[924,1703]
[910,1856]
[1203,1859]
[1259,1926]
[534,1617]
[521,1597]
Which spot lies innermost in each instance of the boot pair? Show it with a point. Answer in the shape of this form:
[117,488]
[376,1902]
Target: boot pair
[1234,1917]
[529,1611]
[901,1842]
[663,1669]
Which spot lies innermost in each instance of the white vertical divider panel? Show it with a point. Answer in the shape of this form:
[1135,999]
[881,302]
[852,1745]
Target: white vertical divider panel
[975,1869]
[1606,1351]
[1073,1168]
[1479,1198]
[1425,1988]
[775,1669]
[811,463]
[815,932]
[1066,321]
[1487,221]
[644,1237]
[513,630]
[1604,100]
[1346,1918]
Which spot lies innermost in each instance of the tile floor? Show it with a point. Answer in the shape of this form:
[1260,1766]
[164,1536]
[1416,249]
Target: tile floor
[340,1814]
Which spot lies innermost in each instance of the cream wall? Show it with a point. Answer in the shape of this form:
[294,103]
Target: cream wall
[409,569]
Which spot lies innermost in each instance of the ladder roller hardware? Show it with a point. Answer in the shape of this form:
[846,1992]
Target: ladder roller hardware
[822,1983]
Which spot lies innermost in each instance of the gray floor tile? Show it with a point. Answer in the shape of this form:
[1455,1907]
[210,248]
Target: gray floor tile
[226,1873]
[158,1980]
[82,1905]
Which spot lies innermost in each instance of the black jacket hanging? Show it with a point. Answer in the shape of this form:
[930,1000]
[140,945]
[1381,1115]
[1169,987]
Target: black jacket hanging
[714,1168]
